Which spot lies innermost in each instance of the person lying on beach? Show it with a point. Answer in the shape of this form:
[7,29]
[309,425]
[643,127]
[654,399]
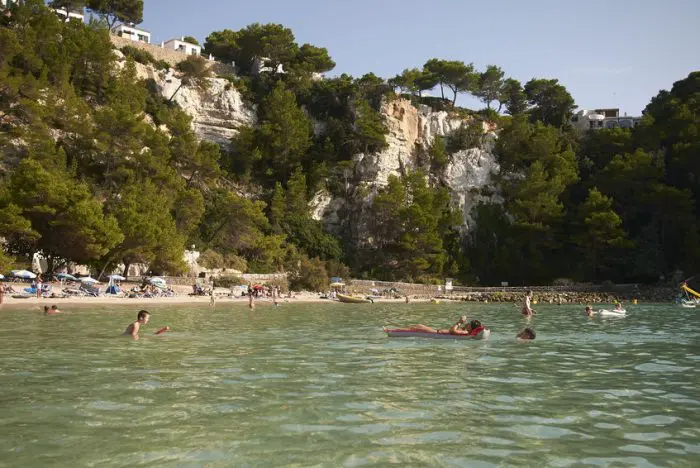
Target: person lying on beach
[527,334]
[462,327]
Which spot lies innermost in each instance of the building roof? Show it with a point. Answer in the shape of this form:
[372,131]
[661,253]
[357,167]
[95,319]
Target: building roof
[120,25]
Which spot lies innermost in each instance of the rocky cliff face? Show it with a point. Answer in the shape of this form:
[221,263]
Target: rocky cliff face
[216,112]
[411,133]
[219,111]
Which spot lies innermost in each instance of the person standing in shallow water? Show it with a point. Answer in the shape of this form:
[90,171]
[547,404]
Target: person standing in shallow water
[527,310]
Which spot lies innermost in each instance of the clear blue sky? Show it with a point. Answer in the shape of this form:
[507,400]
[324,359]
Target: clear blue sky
[607,53]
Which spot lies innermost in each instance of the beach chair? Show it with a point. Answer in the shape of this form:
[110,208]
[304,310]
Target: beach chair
[92,291]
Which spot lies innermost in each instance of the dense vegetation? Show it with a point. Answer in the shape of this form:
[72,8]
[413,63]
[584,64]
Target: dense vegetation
[96,167]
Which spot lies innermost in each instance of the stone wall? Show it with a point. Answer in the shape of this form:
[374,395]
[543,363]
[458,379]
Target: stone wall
[172,57]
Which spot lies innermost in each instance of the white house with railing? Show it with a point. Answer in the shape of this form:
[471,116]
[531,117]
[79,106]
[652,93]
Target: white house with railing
[603,118]
[129,31]
[68,15]
[183,46]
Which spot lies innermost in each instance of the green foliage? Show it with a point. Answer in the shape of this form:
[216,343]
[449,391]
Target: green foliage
[598,235]
[113,11]
[513,97]
[411,221]
[454,74]
[465,137]
[228,281]
[273,42]
[551,102]
[490,85]
[279,143]
[438,154]
[67,222]
[306,273]
[144,57]
[190,40]
[195,72]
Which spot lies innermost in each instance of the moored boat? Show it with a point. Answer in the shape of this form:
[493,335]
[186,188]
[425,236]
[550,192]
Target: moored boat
[353,299]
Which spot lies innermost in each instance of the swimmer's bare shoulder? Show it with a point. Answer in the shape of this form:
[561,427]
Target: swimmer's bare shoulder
[133,329]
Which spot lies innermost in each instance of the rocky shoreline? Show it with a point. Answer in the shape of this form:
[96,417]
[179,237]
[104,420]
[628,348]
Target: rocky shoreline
[665,294]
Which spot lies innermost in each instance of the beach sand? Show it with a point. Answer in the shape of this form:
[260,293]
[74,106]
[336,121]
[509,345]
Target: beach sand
[181,297]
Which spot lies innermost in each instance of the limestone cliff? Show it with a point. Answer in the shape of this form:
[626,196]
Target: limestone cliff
[411,133]
[216,112]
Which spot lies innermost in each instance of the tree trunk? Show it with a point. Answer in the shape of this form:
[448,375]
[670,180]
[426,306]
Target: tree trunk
[102,272]
[125,273]
[500,105]
[442,91]
[176,91]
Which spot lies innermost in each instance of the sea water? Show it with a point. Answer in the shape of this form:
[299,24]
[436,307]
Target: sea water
[321,385]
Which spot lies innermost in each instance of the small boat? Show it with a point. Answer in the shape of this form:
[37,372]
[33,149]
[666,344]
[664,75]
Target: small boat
[353,299]
[400,333]
[688,304]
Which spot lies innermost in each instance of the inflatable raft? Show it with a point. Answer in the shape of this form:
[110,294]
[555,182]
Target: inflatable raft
[612,313]
[401,333]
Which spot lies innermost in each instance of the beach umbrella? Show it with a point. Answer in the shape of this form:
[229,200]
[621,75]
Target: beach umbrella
[156,281]
[336,279]
[2,277]
[66,276]
[116,277]
[88,280]
[24,274]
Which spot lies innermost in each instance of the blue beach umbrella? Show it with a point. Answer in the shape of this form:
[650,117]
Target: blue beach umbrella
[156,281]
[88,280]
[65,276]
[24,274]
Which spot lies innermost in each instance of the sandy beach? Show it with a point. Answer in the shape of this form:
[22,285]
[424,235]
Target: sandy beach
[181,297]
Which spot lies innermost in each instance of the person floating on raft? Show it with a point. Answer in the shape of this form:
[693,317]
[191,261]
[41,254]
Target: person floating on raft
[462,327]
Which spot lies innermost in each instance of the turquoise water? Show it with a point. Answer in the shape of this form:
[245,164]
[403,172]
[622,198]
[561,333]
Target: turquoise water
[321,385]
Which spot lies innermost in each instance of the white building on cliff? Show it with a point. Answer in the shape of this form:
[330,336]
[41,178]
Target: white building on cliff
[603,118]
[183,46]
[129,31]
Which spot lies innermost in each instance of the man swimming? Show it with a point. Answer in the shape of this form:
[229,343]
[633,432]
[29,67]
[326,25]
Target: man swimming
[589,311]
[527,334]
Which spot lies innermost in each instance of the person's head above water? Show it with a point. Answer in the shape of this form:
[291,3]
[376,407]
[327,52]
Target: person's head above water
[143,316]
[527,334]
[474,324]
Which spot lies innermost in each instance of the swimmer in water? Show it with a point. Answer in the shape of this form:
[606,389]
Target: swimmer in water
[133,328]
[527,334]
[589,311]
[142,319]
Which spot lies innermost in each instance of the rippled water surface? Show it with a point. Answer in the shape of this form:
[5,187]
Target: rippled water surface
[321,385]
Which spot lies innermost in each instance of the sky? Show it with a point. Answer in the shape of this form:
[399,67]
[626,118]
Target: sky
[607,53]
